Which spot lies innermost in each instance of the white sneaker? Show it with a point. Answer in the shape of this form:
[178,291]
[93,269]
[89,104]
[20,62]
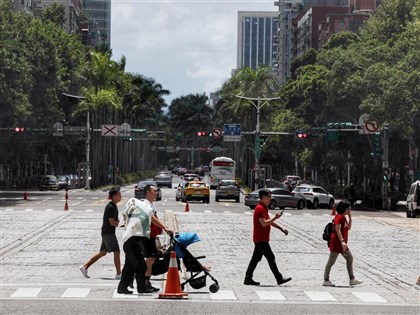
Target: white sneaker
[328,284]
[118,276]
[84,271]
[355,282]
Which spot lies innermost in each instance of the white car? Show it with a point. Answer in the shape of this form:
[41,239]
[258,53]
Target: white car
[315,196]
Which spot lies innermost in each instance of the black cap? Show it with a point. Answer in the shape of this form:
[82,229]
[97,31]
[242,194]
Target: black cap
[114,190]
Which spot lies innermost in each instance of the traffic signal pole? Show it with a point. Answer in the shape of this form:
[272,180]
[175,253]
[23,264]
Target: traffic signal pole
[258,106]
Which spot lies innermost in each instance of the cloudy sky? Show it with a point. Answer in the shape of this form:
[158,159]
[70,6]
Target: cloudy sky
[188,46]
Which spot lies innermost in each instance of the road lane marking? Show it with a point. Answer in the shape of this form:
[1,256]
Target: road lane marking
[76,293]
[29,209]
[319,296]
[123,296]
[370,297]
[9,209]
[207,211]
[49,210]
[248,213]
[223,295]
[227,211]
[26,292]
[270,295]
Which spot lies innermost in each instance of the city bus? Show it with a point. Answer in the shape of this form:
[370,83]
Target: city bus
[221,168]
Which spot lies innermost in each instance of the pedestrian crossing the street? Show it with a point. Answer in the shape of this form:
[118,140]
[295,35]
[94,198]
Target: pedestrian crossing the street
[222,295]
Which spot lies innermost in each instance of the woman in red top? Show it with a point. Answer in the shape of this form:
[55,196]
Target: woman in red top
[338,243]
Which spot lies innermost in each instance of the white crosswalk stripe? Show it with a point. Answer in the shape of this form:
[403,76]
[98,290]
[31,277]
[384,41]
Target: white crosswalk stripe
[223,295]
[76,293]
[270,295]
[320,296]
[370,297]
[26,293]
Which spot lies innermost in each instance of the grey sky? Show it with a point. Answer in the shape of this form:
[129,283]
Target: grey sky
[187,46]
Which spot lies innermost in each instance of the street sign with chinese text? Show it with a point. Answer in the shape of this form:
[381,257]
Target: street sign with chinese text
[232,132]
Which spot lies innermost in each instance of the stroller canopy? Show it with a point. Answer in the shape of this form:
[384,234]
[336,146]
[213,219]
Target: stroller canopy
[184,239]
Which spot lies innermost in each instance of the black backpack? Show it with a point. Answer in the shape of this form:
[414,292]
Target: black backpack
[328,230]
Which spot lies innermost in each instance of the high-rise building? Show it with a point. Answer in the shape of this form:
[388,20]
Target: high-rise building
[99,12]
[257,38]
[288,11]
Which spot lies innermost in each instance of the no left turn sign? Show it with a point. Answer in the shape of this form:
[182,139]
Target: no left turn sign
[372,125]
[216,133]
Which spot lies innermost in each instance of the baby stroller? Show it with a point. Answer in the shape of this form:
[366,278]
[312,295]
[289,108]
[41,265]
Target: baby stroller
[180,243]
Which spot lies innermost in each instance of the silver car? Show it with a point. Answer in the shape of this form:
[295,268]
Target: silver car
[315,196]
[180,190]
[163,179]
[280,198]
[228,189]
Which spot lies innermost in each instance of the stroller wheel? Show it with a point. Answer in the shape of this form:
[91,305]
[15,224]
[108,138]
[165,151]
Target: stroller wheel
[214,288]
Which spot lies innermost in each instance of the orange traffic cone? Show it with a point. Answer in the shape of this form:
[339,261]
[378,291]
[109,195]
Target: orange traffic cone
[25,196]
[173,288]
[187,207]
[67,195]
[333,210]
[66,206]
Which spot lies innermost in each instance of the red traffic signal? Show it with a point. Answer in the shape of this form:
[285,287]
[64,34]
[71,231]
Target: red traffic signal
[19,129]
[201,133]
[300,135]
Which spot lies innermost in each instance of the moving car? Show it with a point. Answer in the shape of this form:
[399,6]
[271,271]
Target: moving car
[196,190]
[413,200]
[228,189]
[190,177]
[289,182]
[139,190]
[280,198]
[163,179]
[49,182]
[180,190]
[315,196]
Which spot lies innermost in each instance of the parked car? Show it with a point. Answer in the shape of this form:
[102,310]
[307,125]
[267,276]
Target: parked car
[163,179]
[228,189]
[280,198]
[49,182]
[196,190]
[180,190]
[63,182]
[315,196]
[139,190]
[413,200]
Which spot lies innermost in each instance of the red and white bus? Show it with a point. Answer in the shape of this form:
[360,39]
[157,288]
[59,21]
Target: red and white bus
[221,168]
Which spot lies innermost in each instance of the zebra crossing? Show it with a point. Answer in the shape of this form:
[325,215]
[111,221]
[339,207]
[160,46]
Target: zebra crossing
[226,295]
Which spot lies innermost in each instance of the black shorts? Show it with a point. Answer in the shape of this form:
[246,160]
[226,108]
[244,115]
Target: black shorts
[148,246]
[109,243]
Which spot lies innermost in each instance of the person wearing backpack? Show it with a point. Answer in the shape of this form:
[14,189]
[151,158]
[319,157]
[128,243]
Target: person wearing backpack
[338,243]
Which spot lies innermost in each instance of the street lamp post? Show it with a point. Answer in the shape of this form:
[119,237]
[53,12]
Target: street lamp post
[87,169]
[260,103]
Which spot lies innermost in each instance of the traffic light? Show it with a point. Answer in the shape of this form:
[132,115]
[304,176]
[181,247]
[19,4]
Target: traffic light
[301,135]
[19,129]
[201,133]
[377,144]
[340,125]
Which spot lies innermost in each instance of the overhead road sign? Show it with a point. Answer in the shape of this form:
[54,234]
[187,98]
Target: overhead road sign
[232,132]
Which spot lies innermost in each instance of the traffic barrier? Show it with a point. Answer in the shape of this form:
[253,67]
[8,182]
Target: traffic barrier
[187,207]
[66,206]
[173,288]
[67,195]
[25,196]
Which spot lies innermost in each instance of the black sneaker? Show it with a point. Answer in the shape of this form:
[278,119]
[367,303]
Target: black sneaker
[124,291]
[251,282]
[154,288]
[283,280]
[145,290]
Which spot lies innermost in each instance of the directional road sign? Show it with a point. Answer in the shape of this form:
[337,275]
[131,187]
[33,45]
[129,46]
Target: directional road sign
[232,132]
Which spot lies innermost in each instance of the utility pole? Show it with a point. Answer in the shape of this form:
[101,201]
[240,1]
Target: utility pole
[87,169]
[258,105]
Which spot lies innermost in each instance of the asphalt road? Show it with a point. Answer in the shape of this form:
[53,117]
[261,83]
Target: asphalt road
[42,246]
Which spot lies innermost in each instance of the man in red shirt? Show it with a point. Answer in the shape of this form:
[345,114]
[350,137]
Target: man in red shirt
[261,237]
